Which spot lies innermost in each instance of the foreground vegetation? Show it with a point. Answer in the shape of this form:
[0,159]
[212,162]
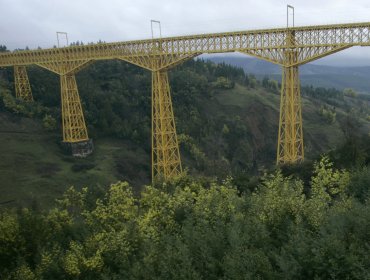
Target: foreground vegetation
[284,228]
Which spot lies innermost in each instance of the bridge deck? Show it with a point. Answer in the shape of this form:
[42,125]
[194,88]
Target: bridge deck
[311,42]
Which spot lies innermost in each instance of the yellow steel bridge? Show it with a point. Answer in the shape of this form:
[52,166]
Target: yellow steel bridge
[288,47]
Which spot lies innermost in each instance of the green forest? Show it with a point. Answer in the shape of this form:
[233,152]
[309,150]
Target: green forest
[284,228]
[232,215]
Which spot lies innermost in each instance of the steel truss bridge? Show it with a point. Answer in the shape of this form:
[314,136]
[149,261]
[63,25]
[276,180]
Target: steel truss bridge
[288,47]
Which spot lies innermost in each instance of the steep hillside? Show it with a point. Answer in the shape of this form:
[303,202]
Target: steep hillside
[227,124]
[33,166]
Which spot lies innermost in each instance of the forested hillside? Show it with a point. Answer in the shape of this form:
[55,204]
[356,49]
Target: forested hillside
[227,124]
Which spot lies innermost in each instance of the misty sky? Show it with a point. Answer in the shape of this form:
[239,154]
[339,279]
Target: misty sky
[34,23]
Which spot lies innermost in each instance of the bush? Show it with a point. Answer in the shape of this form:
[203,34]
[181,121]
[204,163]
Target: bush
[49,123]
[329,115]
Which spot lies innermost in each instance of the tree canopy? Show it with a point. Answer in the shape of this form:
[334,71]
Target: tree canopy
[187,229]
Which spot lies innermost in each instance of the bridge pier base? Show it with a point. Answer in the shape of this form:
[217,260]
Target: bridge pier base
[75,136]
[290,139]
[166,162]
[79,149]
[22,84]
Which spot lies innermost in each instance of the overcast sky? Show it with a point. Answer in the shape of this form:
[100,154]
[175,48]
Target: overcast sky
[34,23]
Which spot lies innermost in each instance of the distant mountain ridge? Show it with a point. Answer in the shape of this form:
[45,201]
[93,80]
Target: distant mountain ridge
[357,78]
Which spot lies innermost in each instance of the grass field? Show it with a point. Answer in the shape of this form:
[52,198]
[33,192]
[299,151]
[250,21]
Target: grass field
[319,136]
[34,167]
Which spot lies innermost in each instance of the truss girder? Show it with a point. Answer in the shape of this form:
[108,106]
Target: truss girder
[258,42]
[64,68]
[158,62]
[305,55]
[309,54]
[270,55]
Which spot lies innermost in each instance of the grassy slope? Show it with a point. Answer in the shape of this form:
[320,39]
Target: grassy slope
[319,136]
[33,166]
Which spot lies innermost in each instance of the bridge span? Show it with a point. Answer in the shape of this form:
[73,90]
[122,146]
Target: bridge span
[288,47]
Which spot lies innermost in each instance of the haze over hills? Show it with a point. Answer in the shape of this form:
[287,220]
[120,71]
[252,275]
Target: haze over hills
[339,77]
